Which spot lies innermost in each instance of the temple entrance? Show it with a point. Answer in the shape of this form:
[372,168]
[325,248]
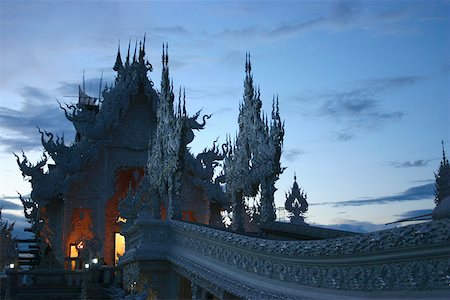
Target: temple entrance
[114,243]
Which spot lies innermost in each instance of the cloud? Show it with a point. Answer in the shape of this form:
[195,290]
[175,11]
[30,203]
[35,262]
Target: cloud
[291,154]
[414,213]
[410,164]
[18,126]
[176,29]
[355,226]
[359,108]
[340,16]
[419,192]
[10,203]
[343,136]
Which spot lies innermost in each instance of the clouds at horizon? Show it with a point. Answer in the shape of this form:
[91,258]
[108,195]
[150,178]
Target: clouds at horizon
[356,226]
[414,193]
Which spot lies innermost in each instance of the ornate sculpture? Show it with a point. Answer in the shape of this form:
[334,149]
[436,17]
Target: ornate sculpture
[296,203]
[253,163]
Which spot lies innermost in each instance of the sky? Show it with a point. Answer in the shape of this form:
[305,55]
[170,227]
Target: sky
[363,86]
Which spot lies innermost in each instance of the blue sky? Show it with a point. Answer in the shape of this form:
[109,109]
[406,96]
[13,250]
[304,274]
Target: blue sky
[364,87]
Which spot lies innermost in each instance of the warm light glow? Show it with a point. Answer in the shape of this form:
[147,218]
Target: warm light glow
[80,245]
[120,219]
[73,253]
[119,246]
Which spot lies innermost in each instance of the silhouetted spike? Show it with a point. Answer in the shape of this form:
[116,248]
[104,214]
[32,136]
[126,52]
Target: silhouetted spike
[127,62]
[143,44]
[184,102]
[443,152]
[135,49]
[118,64]
[163,57]
[179,103]
[167,53]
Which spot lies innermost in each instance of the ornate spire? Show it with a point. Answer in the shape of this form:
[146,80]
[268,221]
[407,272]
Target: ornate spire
[135,49]
[142,51]
[248,64]
[444,159]
[296,203]
[442,184]
[118,65]
[127,61]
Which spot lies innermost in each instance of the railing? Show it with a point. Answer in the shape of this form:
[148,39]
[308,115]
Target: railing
[414,258]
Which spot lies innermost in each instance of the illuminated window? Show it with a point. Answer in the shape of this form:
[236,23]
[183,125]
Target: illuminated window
[73,254]
[119,246]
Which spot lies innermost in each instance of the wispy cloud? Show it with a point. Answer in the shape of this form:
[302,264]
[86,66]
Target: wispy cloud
[340,16]
[414,213]
[410,164]
[292,154]
[419,192]
[19,125]
[359,108]
[10,203]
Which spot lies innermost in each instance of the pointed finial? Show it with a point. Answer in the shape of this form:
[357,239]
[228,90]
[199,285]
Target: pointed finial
[443,152]
[143,44]
[246,62]
[162,56]
[179,103]
[184,102]
[167,53]
[295,177]
[135,49]
[249,64]
[127,62]
[118,64]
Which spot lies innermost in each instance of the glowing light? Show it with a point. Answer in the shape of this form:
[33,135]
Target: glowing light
[80,245]
[95,260]
[86,266]
[11,266]
[119,246]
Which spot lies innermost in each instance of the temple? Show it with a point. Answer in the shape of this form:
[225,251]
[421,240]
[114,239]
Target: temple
[131,133]
[126,210]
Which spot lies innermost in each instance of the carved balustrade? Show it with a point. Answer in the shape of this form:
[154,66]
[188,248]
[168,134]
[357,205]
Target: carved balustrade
[412,259]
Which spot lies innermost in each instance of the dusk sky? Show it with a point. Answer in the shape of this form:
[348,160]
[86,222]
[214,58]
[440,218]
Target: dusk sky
[364,88]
